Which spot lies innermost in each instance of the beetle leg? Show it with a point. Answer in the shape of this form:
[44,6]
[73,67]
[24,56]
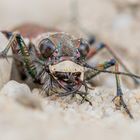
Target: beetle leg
[97,70]
[16,41]
[12,42]
[118,100]
[92,73]
[68,92]
[65,94]
[121,63]
[84,97]
[100,46]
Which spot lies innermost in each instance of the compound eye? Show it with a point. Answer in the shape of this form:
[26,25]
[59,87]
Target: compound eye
[46,48]
[83,48]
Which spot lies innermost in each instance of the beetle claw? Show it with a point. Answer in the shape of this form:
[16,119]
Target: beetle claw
[118,101]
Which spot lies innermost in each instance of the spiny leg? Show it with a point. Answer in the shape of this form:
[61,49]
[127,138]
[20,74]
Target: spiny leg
[11,43]
[99,47]
[16,41]
[84,97]
[66,93]
[84,94]
[94,50]
[92,73]
[118,100]
[18,62]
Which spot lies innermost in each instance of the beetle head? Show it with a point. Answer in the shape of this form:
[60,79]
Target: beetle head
[64,54]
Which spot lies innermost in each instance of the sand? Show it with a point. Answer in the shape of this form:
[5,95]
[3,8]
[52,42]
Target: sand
[26,115]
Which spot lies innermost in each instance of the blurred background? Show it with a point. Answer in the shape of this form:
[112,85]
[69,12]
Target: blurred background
[115,22]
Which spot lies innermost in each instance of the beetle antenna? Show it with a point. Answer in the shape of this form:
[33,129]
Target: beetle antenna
[113,72]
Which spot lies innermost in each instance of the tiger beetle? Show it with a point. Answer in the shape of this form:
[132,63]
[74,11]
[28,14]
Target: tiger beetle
[57,61]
